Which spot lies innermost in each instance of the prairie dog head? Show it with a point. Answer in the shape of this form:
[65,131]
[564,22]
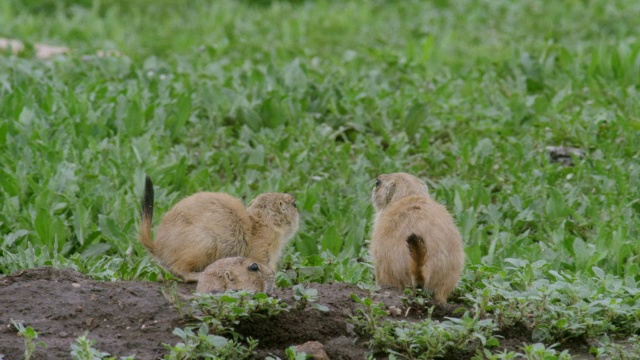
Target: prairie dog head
[392,187]
[279,209]
[236,273]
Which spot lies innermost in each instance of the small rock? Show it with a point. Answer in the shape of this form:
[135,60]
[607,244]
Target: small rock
[395,311]
[75,285]
[351,329]
[313,349]
[43,51]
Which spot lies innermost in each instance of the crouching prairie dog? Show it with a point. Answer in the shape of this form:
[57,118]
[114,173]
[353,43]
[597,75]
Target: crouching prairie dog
[236,273]
[208,226]
[415,241]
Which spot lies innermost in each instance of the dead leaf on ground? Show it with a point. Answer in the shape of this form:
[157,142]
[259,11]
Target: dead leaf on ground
[563,155]
[43,51]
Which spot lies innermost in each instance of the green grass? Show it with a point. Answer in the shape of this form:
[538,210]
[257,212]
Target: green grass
[316,98]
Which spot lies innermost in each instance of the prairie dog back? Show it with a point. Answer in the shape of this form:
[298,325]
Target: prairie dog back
[414,241]
[208,226]
[200,229]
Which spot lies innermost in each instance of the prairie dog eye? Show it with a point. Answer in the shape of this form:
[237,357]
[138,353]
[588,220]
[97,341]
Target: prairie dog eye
[253,267]
[377,182]
[294,204]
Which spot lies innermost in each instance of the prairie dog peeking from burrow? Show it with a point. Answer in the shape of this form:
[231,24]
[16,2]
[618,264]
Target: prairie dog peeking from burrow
[236,273]
[414,241]
[208,226]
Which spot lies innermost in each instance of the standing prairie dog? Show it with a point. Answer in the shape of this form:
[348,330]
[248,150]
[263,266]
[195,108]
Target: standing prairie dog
[207,226]
[236,273]
[415,241]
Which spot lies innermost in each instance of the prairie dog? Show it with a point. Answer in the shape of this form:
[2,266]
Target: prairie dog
[236,273]
[415,241]
[207,226]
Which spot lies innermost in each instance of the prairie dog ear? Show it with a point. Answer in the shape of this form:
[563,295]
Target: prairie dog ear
[228,276]
[282,207]
[391,190]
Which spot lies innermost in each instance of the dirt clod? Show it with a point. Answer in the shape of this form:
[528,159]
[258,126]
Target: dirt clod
[313,349]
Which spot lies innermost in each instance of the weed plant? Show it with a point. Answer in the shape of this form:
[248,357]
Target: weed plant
[554,305]
[30,336]
[217,314]
[222,311]
[83,349]
[201,344]
[425,339]
[307,296]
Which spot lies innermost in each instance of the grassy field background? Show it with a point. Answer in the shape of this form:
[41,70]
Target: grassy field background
[316,98]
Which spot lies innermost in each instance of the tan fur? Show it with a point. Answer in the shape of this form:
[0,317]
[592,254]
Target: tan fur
[404,208]
[207,226]
[236,273]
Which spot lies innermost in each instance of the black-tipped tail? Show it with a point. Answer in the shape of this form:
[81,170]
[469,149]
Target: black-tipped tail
[147,200]
[147,215]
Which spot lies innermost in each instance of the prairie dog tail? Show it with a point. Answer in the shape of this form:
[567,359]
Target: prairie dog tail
[147,216]
[418,251]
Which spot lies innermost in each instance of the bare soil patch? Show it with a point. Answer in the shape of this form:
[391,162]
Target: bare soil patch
[134,318]
[125,317]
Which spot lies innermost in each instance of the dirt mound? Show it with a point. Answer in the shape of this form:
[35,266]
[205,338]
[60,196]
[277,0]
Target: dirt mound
[298,326]
[331,328]
[134,318]
[125,318]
